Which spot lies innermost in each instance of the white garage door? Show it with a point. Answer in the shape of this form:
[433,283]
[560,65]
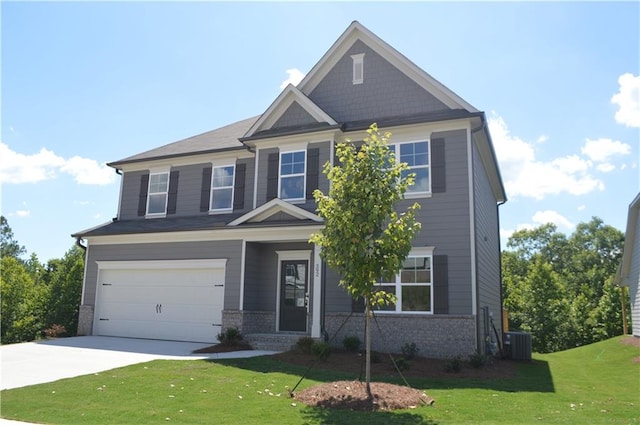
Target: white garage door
[173,300]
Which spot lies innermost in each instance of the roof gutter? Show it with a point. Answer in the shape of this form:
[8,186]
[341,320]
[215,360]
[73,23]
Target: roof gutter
[79,243]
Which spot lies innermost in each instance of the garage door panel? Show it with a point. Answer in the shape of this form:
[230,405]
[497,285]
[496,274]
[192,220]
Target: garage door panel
[183,304]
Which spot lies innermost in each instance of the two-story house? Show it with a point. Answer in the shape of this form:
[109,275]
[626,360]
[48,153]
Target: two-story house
[212,231]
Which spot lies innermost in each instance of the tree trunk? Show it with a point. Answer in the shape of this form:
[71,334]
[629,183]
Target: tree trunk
[367,343]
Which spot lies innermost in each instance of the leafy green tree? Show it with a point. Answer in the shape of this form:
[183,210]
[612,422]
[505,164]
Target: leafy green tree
[9,247]
[64,280]
[23,303]
[579,295]
[364,237]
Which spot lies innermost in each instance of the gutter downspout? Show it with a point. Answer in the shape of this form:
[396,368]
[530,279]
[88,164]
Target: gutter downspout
[79,243]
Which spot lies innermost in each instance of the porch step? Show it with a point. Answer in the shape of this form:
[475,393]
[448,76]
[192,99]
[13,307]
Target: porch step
[273,342]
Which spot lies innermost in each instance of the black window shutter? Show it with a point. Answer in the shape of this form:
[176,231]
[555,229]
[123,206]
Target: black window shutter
[441,284]
[272,176]
[238,189]
[205,189]
[142,197]
[313,170]
[172,200]
[438,172]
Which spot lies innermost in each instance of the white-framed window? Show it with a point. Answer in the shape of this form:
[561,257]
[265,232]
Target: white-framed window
[416,155]
[292,181]
[157,194]
[358,68]
[222,180]
[412,286]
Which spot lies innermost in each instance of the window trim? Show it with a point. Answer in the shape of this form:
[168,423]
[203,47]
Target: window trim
[303,174]
[212,189]
[166,194]
[416,194]
[358,68]
[418,252]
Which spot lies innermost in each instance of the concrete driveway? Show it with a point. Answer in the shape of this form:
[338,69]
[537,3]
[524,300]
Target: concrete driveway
[46,361]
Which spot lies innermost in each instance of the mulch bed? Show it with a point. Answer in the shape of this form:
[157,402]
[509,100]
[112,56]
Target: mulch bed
[352,395]
[634,341]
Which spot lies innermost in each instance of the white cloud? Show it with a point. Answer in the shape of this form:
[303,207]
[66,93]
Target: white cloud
[628,100]
[23,213]
[524,175]
[605,167]
[19,168]
[550,216]
[581,207]
[601,150]
[295,76]
[97,216]
[541,139]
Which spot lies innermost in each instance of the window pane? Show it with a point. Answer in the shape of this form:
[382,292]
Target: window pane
[157,203]
[390,290]
[416,298]
[223,176]
[421,180]
[158,182]
[221,199]
[292,187]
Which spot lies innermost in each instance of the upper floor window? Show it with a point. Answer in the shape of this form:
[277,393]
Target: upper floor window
[416,155]
[157,194]
[292,175]
[358,68]
[222,179]
[412,286]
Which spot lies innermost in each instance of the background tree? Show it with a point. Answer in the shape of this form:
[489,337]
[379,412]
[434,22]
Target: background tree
[33,297]
[9,247]
[364,237]
[567,279]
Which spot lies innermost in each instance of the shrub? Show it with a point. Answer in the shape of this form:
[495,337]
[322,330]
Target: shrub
[321,350]
[231,336]
[55,331]
[402,363]
[453,365]
[477,360]
[305,343]
[409,350]
[351,343]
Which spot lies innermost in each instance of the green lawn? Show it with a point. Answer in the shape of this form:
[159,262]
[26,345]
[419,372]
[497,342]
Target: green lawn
[597,384]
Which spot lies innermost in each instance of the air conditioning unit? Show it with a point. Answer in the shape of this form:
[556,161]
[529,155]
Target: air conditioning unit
[518,345]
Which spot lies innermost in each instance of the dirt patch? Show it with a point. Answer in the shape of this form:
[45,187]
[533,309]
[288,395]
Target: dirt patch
[419,367]
[352,395]
[633,341]
[223,348]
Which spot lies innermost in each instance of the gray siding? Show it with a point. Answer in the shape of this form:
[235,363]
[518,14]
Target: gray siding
[130,195]
[231,250]
[487,246]
[445,221]
[634,279]
[337,299]
[189,185]
[385,92]
[295,115]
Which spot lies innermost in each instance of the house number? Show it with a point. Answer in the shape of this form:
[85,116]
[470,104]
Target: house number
[317,267]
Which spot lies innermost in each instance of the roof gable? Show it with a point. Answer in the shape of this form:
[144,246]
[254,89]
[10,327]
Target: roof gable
[357,32]
[631,244]
[276,209]
[291,108]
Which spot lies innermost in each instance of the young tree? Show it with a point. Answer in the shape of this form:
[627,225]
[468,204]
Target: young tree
[364,237]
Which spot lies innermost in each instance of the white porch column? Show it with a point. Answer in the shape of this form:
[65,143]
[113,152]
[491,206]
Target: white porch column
[317,293]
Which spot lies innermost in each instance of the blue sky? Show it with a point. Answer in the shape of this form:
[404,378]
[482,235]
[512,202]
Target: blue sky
[84,84]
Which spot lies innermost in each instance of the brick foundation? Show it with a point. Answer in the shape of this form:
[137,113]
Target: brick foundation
[85,320]
[437,336]
[249,322]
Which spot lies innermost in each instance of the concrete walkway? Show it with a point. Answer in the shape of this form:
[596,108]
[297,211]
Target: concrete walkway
[47,361]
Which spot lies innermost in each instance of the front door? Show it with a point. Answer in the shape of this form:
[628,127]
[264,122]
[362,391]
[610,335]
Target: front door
[293,295]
